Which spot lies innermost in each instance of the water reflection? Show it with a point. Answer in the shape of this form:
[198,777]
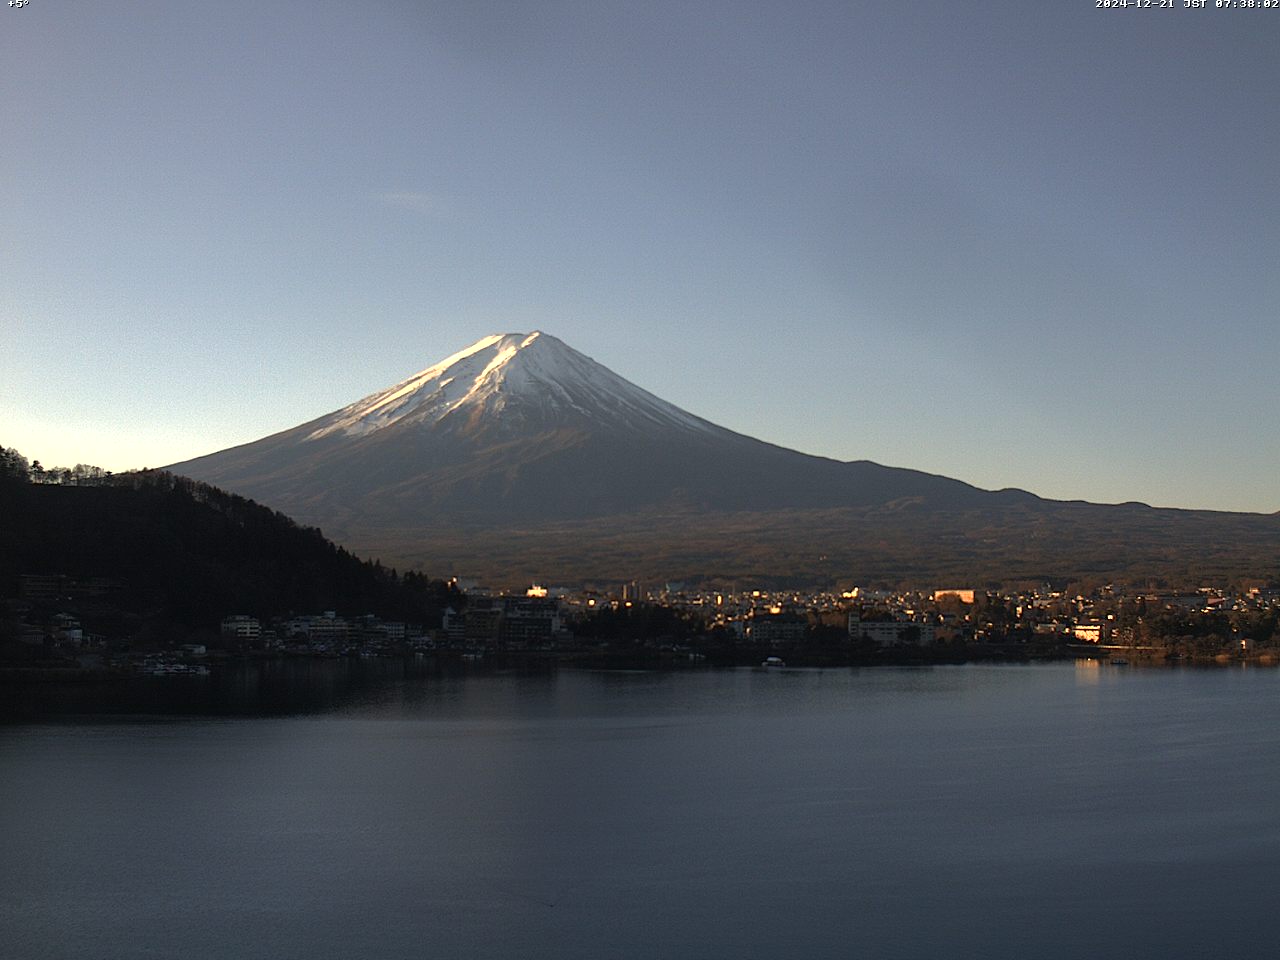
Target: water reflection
[388,809]
[424,688]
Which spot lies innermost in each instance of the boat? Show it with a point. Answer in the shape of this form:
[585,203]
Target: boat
[169,668]
[773,662]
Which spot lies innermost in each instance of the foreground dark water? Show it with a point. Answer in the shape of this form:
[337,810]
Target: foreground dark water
[348,810]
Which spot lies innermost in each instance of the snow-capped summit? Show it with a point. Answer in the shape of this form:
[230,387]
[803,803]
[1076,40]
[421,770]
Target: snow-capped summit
[511,379]
[521,428]
[520,456]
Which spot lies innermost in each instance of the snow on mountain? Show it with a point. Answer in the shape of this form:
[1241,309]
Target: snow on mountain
[521,427]
[519,456]
[518,378]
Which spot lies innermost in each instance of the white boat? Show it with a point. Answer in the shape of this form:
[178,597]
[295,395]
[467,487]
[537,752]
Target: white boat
[153,668]
[773,662]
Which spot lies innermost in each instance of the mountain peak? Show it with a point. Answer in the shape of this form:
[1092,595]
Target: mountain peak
[510,381]
[519,455]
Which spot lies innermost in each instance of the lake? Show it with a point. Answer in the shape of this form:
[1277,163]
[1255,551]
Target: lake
[378,809]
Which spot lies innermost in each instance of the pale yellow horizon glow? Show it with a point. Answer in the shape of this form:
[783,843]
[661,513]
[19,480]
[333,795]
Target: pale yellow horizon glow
[114,447]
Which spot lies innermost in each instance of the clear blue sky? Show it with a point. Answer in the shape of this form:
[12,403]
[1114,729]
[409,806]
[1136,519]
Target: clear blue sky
[1022,244]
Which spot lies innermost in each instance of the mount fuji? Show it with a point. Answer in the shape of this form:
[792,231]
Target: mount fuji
[523,427]
[519,456]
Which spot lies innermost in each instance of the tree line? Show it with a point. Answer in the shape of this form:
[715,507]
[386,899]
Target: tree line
[14,466]
[191,553]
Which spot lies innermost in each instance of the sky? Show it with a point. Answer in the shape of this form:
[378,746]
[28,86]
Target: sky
[1027,245]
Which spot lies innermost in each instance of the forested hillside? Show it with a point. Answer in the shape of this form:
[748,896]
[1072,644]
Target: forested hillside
[167,547]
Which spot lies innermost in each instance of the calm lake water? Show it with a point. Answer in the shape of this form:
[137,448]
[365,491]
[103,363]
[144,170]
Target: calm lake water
[351,810]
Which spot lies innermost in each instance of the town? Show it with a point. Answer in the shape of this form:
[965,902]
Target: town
[674,625]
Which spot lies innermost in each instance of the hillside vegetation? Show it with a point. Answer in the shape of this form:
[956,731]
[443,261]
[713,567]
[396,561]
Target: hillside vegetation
[168,549]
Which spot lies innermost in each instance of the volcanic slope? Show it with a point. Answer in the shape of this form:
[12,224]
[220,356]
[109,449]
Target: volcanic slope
[520,456]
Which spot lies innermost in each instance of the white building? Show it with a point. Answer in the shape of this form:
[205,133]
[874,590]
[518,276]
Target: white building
[241,627]
[892,633]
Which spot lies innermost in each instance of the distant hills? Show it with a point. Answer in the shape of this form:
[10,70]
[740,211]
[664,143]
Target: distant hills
[521,458]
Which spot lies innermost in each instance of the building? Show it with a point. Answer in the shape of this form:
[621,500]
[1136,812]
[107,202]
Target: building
[241,627]
[481,623]
[529,620]
[1089,632]
[330,628]
[454,625]
[777,628]
[66,629]
[894,633]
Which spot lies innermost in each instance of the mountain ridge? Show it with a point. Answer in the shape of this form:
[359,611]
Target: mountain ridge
[522,432]
[518,426]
